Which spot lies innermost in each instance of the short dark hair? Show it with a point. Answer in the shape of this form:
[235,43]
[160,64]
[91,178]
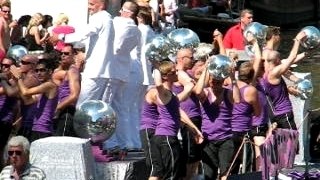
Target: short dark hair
[272,30]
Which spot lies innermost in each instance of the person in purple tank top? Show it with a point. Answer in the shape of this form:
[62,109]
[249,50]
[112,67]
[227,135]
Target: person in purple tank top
[167,158]
[67,77]
[242,115]
[45,95]
[275,86]
[148,124]
[216,107]
[29,79]
[8,104]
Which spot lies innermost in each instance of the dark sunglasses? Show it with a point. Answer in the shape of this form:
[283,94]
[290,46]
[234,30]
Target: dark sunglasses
[5,65]
[6,11]
[25,62]
[18,153]
[40,70]
[66,53]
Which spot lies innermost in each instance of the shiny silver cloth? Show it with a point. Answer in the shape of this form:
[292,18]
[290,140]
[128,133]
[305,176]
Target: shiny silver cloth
[133,167]
[63,158]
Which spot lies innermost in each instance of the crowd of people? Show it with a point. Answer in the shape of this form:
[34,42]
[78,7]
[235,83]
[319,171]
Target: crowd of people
[154,101]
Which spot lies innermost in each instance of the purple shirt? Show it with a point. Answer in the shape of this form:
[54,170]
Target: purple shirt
[169,118]
[263,118]
[149,116]
[216,118]
[27,114]
[191,105]
[43,116]
[279,97]
[7,105]
[242,114]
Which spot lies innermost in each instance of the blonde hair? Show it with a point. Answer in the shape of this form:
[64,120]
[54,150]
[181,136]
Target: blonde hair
[165,67]
[62,19]
[35,20]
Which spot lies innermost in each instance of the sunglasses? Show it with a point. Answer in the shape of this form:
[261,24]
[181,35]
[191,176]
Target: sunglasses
[25,62]
[5,65]
[40,70]
[66,53]
[8,12]
[18,153]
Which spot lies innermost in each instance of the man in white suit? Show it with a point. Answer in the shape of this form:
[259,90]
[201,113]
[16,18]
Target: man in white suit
[100,36]
[127,38]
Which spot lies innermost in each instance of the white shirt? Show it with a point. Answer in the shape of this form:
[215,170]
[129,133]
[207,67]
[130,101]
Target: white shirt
[127,37]
[100,34]
[170,6]
[147,34]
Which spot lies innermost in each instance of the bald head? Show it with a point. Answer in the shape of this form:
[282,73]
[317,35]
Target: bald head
[185,58]
[273,56]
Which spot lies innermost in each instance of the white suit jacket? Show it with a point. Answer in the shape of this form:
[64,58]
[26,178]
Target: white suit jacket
[99,52]
[127,37]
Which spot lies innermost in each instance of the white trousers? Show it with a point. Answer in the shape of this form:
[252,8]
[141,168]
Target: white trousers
[127,101]
[92,89]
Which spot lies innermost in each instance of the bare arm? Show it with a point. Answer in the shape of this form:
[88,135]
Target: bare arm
[201,84]
[283,67]
[185,119]
[187,82]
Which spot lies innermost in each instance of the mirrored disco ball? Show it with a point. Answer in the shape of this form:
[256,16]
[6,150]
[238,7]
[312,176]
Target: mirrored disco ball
[258,30]
[16,52]
[158,49]
[306,89]
[96,120]
[183,38]
[219,66]
[312,39]
[249,50]
[203,51]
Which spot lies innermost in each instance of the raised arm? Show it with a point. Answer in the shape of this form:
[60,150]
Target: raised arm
[187,83]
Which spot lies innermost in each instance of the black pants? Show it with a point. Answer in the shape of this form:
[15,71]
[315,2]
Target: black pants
[190,149]
[35,135]
[285,121]
[64,122]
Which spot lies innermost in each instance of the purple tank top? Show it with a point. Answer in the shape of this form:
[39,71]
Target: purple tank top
[242,114]
[216,118]
[44,114]
[191,105]
[64,90]
[27,114]
[7,105]
[279,97]
[263,118]
[169,118]
[149,116]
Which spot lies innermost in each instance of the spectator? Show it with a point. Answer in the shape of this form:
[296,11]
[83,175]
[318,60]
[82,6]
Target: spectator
[20,167]
[5,19]
[234,39]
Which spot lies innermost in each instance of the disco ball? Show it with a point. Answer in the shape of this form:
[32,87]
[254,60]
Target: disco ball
[219,66]
[203,51]
[158,49]
[96,120]
[305,88]
[16,52]
[312,39]
[259,31]
[183,38]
